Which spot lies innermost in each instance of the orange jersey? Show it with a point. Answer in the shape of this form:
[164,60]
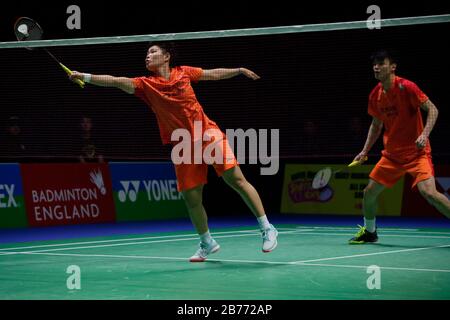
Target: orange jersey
[399,110]
[173,101]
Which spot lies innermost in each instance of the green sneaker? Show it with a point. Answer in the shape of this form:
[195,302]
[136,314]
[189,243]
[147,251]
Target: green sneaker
[364,236]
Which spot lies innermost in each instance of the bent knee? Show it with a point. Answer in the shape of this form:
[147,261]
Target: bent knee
[237,183]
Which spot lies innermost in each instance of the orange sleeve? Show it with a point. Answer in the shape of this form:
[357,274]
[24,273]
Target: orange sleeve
[417,97]
[194,73]
[138,86]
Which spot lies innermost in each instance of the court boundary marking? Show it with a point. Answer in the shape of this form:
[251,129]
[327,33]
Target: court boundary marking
[189,237]
[142,242]
[224,234]
[117,240]
[209,260]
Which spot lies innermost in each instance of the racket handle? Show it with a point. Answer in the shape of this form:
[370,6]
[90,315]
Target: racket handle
[358,162]
[69,72]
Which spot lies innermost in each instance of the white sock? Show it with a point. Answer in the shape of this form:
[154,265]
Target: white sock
[206,237]
[263,222]
[370,225]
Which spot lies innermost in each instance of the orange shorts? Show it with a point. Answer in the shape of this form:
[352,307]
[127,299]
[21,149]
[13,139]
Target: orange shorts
[191,175]
[387,172]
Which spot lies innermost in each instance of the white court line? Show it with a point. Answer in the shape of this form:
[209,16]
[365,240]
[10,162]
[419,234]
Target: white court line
[373,254]
[300,228]
[319,232]
[383,230]
[223,236]
[124,239]
[193,237]
[381,267]
[307,232]
[231,261]
[354,228]
[383,235]
[135,243]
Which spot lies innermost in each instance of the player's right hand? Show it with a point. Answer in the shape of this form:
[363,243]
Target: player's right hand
[76,75]
[361,157]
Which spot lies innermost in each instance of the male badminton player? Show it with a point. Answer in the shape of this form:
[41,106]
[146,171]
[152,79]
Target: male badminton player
[395,104]
[168,92]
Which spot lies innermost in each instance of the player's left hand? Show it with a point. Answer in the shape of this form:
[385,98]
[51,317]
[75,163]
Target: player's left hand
[421,141]
[249,73]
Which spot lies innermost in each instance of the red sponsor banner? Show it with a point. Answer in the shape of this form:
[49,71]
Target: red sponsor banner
[62,194]
[414,205]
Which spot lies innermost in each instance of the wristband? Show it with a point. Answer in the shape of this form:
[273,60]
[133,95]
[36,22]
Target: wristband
[87,77]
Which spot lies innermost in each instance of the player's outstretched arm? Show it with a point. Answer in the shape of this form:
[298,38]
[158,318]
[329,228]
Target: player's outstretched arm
[222,73]
[123,83]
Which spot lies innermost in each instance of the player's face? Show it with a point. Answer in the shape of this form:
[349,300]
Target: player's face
[383,69]
[156,57]
[86,124]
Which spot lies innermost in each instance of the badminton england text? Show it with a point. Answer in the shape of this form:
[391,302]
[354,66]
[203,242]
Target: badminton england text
[210,147]
[226,309]
[75,210]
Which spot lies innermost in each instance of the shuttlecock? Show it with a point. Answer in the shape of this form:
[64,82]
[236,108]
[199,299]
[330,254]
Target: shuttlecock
[23,29]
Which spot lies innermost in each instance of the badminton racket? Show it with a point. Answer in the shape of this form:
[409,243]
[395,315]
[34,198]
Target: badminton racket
[26,29]
[323,176]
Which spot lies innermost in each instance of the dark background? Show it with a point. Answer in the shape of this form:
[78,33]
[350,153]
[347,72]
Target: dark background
[313,86]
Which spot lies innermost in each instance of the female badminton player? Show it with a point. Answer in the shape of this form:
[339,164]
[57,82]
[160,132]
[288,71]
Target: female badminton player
[168,92]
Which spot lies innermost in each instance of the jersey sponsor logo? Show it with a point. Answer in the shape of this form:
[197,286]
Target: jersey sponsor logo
[389,111]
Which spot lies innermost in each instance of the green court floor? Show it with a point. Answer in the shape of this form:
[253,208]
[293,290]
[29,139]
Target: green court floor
[309,263]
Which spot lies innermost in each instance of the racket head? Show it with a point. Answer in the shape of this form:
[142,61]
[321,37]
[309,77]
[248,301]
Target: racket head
[26,29]
[321,178]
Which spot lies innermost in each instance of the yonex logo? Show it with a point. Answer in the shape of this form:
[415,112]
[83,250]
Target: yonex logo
[130,190]
[7,196]
[155,190]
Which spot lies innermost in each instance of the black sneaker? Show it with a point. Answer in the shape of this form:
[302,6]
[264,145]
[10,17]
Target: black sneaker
[364,236]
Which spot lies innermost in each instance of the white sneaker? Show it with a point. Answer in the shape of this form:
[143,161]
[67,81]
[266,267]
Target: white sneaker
[269,239]
[204,250]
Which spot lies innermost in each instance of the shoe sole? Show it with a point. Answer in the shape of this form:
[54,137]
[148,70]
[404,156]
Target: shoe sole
[361,242]
[203,259]
[271,249]
[274,246]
